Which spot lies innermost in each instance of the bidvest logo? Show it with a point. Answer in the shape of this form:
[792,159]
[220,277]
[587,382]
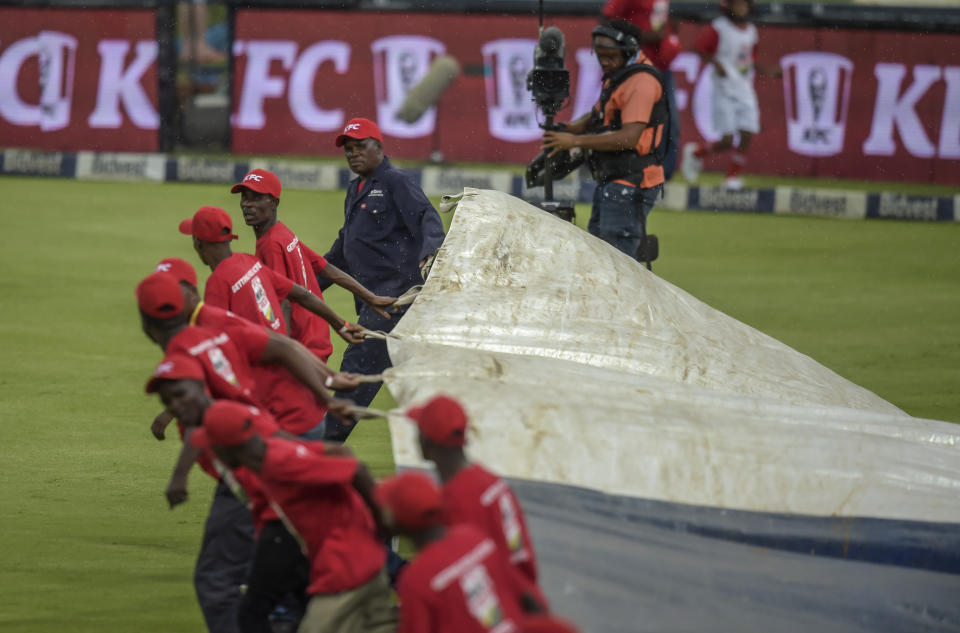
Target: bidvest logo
[816,91]
[399,63]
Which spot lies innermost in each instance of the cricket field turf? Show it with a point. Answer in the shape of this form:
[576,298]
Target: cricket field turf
[88,542]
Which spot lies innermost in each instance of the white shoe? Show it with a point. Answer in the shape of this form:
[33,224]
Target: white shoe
[691,165]
[734,184]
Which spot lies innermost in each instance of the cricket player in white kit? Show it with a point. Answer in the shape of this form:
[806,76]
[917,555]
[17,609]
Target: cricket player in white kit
[729,46]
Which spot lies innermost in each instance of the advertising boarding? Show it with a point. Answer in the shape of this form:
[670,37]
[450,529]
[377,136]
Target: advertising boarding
[74,79]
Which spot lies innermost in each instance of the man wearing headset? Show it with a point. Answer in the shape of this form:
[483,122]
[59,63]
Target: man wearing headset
[621,136]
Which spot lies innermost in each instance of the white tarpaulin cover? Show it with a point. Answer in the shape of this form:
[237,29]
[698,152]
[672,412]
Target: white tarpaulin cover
[579,367]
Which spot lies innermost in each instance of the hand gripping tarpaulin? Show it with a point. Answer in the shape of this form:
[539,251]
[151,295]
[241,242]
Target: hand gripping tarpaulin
[619,403]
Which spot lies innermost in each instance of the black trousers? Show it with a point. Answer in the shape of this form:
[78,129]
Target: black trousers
[278,570]
[223,561]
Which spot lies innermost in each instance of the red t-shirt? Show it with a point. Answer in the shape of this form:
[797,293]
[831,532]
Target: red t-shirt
[226,354]
[244,483]
[286,255]
[316,494]
[460,583]
[478,497]
[243,285]
[289,400]
[649,15]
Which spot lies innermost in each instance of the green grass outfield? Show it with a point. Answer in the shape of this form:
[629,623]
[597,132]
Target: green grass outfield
[88,544]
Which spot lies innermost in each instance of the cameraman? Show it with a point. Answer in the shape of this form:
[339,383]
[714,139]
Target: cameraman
[620,137]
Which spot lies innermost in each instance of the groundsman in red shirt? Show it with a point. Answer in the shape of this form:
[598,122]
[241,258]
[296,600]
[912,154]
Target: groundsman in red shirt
[276,388]
[326,500]
[227,354]
[284,253]
[460,580]
[277,566]
[242,284]
[471,493]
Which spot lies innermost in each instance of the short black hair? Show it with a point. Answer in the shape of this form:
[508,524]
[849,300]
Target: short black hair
[166,324]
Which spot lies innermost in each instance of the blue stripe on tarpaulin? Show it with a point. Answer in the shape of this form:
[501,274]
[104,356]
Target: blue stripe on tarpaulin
[920,544]
[713,198]
[616,564]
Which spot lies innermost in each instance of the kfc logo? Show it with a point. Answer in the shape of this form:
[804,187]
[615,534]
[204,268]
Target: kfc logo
[295,85]
[164,368]
[351,127]
[511,112]
[254,177]
[816,91]
[56,54]
[399,63]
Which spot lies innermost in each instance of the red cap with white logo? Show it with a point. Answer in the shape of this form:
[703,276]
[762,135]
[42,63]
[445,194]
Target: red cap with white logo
[175,367]
[259,180]
[359,129]
[179,268]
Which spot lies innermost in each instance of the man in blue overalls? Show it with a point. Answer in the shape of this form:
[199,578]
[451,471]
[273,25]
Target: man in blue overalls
[389,230]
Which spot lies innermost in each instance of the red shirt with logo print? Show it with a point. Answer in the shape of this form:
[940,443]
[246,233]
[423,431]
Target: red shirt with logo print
[478,497]
[244,285]
[316,495]
[286,255]
[291,402]
[460,583]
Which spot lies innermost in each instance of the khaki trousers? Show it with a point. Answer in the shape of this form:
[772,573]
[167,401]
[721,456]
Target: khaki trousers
[366,609]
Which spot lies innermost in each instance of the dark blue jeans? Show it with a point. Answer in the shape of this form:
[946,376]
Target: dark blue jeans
[223,561]
[670,144]
[369,357]
[619,215]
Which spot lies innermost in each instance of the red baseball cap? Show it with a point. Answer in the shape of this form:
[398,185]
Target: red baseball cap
[412,498]
[159,296]
[441,420]
[359,128]
[175,367]
[210,224]
[225,423]
[542,623]
[259,180]
[179,268]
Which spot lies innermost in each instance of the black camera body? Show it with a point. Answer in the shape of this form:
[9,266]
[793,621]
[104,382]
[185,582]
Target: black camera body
[549,83]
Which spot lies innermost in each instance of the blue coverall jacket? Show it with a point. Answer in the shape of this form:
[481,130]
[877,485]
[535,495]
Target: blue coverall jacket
[389,227]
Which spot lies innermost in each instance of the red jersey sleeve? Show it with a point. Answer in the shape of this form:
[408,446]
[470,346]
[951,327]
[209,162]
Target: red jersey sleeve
[414,613]
[317,262]
[707,41]
[292,461]
[251,339]
[216,293]
[281,284]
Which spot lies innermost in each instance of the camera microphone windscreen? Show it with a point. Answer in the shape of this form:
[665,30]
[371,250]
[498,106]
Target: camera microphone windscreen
[550,47]
[425,94]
